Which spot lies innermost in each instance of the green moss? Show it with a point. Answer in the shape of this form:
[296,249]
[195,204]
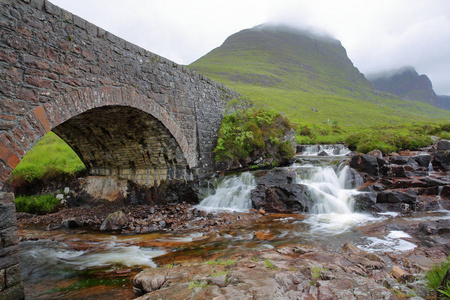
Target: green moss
[40,205]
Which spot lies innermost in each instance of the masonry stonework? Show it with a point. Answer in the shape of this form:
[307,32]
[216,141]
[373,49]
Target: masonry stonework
[57,68]
[126,111]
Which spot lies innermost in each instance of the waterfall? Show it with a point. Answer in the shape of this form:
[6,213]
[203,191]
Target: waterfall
[233,192]
[330,150]
[331,190]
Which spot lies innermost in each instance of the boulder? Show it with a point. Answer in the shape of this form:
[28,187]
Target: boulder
[285,198]
[114,221]
[369,164]
[365,202]
[391,196]
[145,282]
[441,145]
[275,177]
[441,160]
[423,160]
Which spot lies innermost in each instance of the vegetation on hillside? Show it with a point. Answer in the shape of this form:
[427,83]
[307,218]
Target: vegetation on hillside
[311,80]
[254,136]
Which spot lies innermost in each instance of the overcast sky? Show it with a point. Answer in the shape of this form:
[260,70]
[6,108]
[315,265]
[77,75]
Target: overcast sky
[379,35]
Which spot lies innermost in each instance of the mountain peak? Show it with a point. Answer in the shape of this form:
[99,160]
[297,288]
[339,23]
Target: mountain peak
[405,83]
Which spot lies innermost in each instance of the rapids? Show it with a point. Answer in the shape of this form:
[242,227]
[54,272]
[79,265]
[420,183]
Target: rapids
[77,264]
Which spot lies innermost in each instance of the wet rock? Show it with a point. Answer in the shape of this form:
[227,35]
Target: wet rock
[423,160]
[276,177]
[350,248]
[365,202]
[396,197]
[399,171]
[441,160]
[114,221]
[281,199]
[71,223]
[369,164]
[431,181]
[322,153]
[146,282]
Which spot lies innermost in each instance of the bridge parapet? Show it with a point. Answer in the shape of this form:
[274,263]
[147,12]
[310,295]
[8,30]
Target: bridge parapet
[56,66]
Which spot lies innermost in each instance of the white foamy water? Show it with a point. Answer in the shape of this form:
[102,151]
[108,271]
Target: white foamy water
[232,193]
[331,150]
[331,190]
[393,242]
[108,254]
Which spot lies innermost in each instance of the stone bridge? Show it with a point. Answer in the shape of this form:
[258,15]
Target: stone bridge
[125,111]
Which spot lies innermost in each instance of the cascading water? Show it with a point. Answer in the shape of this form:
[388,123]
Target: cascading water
[233,193]
[331,186]
[314,150]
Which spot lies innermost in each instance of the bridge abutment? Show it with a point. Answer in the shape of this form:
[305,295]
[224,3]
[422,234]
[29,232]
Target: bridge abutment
[11,286]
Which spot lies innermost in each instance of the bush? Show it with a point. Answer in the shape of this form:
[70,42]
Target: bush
[40,205]
[435,277]
[256,131]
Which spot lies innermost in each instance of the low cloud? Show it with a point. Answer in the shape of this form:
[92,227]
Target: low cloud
[378,35]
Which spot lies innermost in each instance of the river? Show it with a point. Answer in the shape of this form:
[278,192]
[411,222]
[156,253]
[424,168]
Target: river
[83,264]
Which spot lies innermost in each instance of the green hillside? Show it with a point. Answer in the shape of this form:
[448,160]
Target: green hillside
[310,79]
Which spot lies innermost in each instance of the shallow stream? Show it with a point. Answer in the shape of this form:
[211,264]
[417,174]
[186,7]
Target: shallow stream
[80,264]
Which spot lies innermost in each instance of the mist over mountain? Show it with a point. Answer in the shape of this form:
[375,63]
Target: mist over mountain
[309,77]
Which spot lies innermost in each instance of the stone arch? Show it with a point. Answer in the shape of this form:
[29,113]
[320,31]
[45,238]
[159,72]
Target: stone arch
[126,142]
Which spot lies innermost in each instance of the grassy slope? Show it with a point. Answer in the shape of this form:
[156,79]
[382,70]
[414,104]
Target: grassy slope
[50,154]
[297,73]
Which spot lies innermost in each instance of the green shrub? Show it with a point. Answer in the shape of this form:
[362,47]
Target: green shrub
[435,276]
[40,205]
[256,130]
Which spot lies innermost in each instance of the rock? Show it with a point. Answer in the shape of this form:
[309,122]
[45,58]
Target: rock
[441,159]
[376,153]
[369,164]
[145,283]
[400,274]
[396,197]
[220,281]
[276,177]
[365,202]
[350,248]
[399,171]
[284,198]
[431,181]
[71,223]
[441,145]
[114,221]
[423,160]
[399,160]
[322,153]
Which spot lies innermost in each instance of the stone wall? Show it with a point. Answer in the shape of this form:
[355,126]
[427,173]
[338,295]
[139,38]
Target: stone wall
[55,67]
[10,283]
